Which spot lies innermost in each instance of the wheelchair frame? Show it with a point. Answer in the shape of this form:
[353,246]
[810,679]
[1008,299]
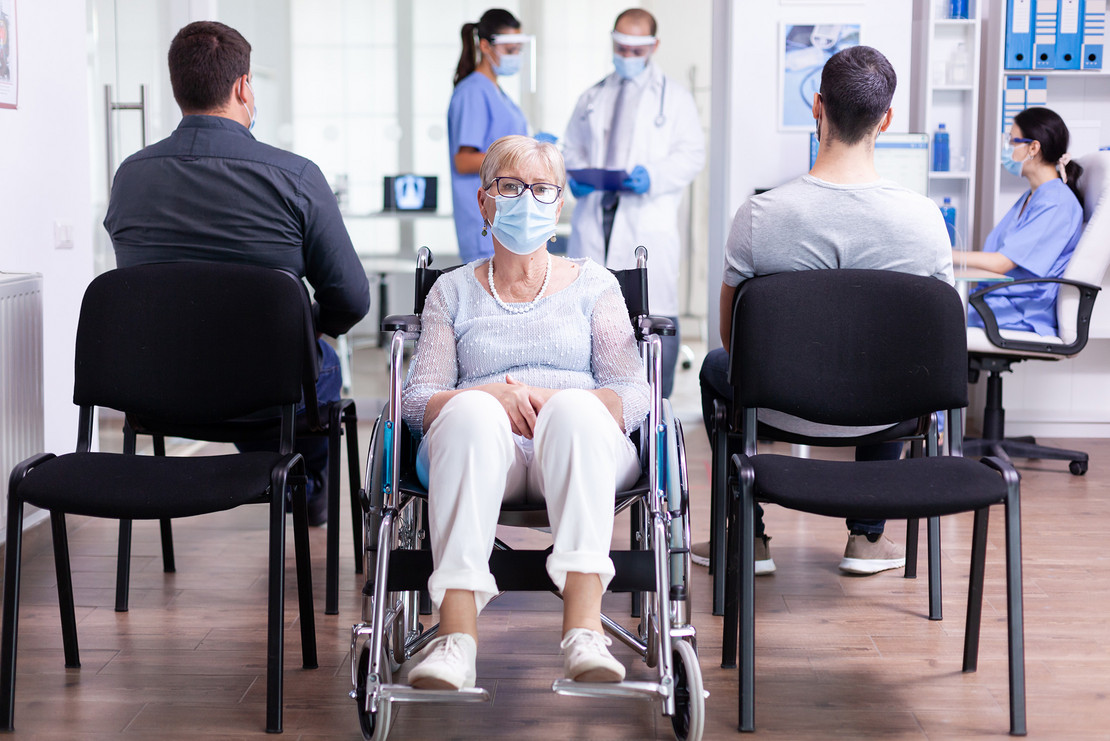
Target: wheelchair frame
[390,632]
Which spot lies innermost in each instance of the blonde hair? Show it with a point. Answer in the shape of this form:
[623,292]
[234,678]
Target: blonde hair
[513,151]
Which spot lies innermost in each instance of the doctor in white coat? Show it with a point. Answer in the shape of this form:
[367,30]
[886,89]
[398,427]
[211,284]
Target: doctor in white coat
[655,136]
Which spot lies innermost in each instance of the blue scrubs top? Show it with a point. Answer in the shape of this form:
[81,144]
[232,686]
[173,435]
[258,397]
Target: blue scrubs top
[1039,240]
[480,113]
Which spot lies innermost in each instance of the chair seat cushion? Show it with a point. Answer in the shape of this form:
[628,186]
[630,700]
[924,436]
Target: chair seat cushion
[902,489]
[977,342]
[142,487]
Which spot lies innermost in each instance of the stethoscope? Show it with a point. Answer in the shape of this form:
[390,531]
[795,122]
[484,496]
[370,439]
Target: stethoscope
[660,118]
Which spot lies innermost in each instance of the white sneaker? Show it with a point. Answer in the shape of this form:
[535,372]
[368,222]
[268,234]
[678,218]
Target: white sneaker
[586,658]
[862,557]
[764,564]
[448,664]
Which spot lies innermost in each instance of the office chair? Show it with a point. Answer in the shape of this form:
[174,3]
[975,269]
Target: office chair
[994,351]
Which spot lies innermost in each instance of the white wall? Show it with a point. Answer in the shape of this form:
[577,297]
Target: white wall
[760,155]
[46,180]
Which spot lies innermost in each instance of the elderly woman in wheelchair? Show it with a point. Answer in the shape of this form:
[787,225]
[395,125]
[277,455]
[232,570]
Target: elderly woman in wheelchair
[525,385]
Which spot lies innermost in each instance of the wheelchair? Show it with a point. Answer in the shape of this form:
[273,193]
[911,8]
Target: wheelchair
[655,570]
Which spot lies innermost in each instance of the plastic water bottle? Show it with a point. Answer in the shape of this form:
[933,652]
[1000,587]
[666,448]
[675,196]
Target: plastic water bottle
[948,211]
[957,9]
[940,149]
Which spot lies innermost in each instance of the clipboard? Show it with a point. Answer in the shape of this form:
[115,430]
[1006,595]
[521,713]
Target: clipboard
[599,178]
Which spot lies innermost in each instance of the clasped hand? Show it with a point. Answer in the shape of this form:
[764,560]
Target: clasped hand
[521,402]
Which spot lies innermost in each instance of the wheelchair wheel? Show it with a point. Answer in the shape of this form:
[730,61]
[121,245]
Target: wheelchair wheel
[375,724]
[689,698]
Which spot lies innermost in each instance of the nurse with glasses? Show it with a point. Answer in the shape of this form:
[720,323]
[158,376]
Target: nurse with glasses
[1037,236]
[481,113]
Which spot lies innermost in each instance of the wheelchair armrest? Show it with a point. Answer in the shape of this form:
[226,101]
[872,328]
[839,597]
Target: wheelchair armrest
[1087,294]
[407,323]
[660,325]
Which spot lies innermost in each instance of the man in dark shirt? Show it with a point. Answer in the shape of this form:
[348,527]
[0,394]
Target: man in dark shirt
[211,192]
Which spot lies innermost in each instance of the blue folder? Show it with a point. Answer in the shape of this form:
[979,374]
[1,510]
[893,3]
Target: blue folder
[1094,34]
[1069,34]
[1013,101]
[599,178]
[1044,34]
[1019,34]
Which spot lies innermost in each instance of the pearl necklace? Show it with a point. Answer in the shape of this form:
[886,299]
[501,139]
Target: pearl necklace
[519,308]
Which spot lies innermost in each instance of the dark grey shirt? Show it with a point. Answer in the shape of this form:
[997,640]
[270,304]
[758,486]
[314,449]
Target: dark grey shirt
[212,192]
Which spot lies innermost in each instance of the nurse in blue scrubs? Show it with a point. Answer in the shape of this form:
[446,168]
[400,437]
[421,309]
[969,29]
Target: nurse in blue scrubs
[480,113]
[1036,238]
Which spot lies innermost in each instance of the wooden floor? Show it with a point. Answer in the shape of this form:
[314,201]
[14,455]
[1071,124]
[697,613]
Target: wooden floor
[836,656]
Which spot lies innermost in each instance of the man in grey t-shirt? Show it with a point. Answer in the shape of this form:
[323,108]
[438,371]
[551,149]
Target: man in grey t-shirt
[839,215]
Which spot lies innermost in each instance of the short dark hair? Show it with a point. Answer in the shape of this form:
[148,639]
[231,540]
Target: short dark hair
[638,15]
[206,58]
[857,85]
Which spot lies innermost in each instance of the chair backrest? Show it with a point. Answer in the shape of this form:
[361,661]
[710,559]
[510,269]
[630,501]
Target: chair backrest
[193,342]
[1092,254]
[849,347]
[633,283]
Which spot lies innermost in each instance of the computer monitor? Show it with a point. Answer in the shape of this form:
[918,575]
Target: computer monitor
[903,158]
[410,193]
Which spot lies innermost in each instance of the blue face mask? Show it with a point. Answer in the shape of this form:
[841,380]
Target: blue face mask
[629,67]
[508,66]
[1012,166]
[522,225]
[252,115]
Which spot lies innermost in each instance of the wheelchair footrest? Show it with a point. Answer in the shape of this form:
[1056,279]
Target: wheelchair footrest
[633,690]
[519,571]
[405,693]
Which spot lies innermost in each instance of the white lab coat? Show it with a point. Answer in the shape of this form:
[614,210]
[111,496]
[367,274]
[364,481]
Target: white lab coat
[667,140]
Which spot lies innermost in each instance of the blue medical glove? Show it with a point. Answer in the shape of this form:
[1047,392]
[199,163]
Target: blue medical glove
[638,181]
[579,189]
[543,136]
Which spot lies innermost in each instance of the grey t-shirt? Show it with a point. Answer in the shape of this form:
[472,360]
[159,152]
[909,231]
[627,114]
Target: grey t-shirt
[811,224]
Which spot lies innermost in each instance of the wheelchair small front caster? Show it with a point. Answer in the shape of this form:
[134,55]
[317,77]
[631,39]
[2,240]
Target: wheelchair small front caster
[375,725]
[688,720]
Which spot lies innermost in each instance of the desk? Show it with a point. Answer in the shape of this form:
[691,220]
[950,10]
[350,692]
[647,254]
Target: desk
[965,277]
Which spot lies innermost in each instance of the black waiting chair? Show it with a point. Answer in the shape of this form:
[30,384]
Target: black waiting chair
[331,419]
[148,345]
[861,347]
[994,351]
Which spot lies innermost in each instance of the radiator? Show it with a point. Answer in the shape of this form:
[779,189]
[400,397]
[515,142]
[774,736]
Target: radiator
[21,408]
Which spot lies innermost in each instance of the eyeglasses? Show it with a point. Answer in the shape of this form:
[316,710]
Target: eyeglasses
[507,187]
[1015,140]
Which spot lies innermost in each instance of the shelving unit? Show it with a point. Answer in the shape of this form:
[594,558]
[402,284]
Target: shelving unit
[938,98]
[1081,97]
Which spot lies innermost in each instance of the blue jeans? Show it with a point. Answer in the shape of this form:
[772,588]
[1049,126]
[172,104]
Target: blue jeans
[314,449]
[715,386]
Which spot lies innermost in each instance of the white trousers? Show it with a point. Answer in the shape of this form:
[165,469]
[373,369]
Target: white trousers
[576,461]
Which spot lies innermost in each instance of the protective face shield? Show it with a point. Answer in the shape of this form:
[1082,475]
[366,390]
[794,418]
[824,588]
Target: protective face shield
[252,115]
[1012,166]
[638,55]
[510,56]
[523,224]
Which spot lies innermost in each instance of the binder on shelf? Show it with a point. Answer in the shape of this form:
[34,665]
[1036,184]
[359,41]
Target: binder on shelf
[1069,33]
[1019,34]
[1094,34]
[1044,34]
[1036,91]
[1013,100]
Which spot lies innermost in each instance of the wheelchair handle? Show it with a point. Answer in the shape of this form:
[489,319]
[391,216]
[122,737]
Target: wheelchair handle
[641,256]
[424,257]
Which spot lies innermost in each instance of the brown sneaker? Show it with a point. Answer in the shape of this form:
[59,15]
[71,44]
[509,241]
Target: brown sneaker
[861,556]
[699,554]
